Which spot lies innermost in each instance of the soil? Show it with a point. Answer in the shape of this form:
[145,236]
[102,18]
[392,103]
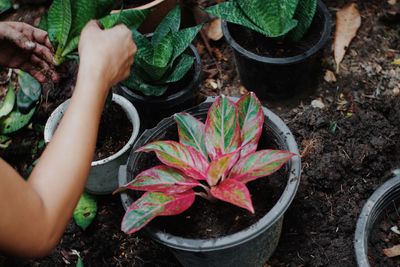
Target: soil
[349,147]
[115,131]
[382,237]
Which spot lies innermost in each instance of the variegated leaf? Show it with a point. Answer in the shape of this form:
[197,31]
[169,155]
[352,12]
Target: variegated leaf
[59,23]
[222,132]
[259,164]
[182,40]
[170,24]
[305,12]
[234,192]
[191,132]
[153,204]
[220,167]
[185,158]
[181,66]
[162,179]
[251,119]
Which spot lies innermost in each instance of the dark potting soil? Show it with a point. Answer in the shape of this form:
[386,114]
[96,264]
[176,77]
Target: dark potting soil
[258,44]
[382,237]
[114,132]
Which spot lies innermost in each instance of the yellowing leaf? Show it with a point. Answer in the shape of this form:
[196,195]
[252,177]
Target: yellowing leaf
[396,62]
[348,21]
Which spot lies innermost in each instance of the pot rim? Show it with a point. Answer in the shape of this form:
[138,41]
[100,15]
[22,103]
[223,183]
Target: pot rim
[269,219]
[372,210]
[326,32]
[184,92]
[129,109]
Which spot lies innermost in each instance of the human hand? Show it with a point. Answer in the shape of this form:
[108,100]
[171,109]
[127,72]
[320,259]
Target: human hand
[28,48]
[108,54]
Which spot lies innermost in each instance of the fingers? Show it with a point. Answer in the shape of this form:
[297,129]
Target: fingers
[28,67]
[46,68]
[18,38]
[44,53]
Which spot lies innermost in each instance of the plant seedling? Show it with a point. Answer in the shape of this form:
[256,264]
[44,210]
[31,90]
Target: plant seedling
[213,160]
[272,18]
[161,60]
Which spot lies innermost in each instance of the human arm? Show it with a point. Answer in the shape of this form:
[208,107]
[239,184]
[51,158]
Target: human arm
[36,212]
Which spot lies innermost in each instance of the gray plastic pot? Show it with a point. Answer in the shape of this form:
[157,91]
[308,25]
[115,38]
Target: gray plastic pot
[250,247]
[103,174]
[373,209]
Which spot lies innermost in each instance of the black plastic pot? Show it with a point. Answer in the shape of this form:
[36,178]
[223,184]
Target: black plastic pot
[250,247]
[373,209]
[152,109]
[280,77]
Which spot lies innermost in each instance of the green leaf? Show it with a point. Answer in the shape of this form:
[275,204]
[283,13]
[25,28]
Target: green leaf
[179,70]
[79,263]
[170,24]
[135,82]
[5,5]
[191,132]
[153,204]
[220,167]
[273,16]
[304,15]
[162,52]
[131,18]
[3,139]
[85,211]
[59,23]
[183,39]
[43,25]
[7,105]
[28,93]
[71,46]
[15,121]
[103,7]
[82,11]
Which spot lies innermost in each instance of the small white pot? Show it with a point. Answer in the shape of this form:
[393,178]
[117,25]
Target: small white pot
[103,177]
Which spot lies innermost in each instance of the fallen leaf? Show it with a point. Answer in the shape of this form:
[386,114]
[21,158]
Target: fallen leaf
[396,62]
[348,21]
[395,229]
[329,77]
[392,2]
[214,31]
[392,252]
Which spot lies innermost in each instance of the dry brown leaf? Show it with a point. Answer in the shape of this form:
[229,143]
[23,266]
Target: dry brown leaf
[348,21]
[214,31]
[329,77]
[392,252]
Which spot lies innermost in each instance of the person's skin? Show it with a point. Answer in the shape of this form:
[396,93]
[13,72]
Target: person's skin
[34,213]
[25,47]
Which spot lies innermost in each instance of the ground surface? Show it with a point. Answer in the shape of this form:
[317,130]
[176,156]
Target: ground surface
[349,148]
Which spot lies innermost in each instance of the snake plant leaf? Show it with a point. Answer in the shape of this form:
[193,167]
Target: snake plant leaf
[71,46]
[15,121]
[136,82]
[82,11]
[234,192]
[219,167]
[170,24]
[222,132]
[153,204]
[231,12]
[85,211]
[43,24]
[187,159]
[163,52]
[183,39]
[7,105]
[28,93]
[180,69]
[131,18]
[191,132]
[259,164]
[5,5]
[59,23]
[162,179]
[251,119]
[305,12]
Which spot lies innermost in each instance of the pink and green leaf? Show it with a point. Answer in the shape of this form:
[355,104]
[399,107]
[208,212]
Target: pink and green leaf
[153,204]
[162,179]
[234,192]
[222,131]
[251,119]
[187,159]
[220,167]
[191,132]
[259,164]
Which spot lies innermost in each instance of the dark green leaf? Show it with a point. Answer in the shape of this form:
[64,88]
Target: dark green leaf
[134,82]
[59,23]
[82,11]
[131,18]
[3,139]
[5,5]
[28,93]
[183,39]
[181,67]
[15,121]
[163,52]
[304,15]
[170,24]
[103,7]
[43,25]
[71,46]
[7,105]
[85,211]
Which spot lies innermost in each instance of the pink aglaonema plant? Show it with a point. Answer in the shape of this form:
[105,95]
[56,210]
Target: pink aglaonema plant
[214,160]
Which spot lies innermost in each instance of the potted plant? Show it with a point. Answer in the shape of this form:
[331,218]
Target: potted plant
[213,161]
[276,43]
[167,69]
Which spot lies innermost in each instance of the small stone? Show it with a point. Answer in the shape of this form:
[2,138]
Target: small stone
[317,103]
[396,91]
[329,77]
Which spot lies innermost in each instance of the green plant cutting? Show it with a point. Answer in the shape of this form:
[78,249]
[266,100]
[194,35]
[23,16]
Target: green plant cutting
[66,19]
[18,106]
[161,60]
[272,18]
[214,160]
[5,5]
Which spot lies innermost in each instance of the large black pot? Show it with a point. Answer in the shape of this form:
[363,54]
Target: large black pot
[152,109]
[373,210]
[249,247]
[280,77]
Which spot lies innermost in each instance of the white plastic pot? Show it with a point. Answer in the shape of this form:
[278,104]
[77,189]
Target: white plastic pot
[103,177]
